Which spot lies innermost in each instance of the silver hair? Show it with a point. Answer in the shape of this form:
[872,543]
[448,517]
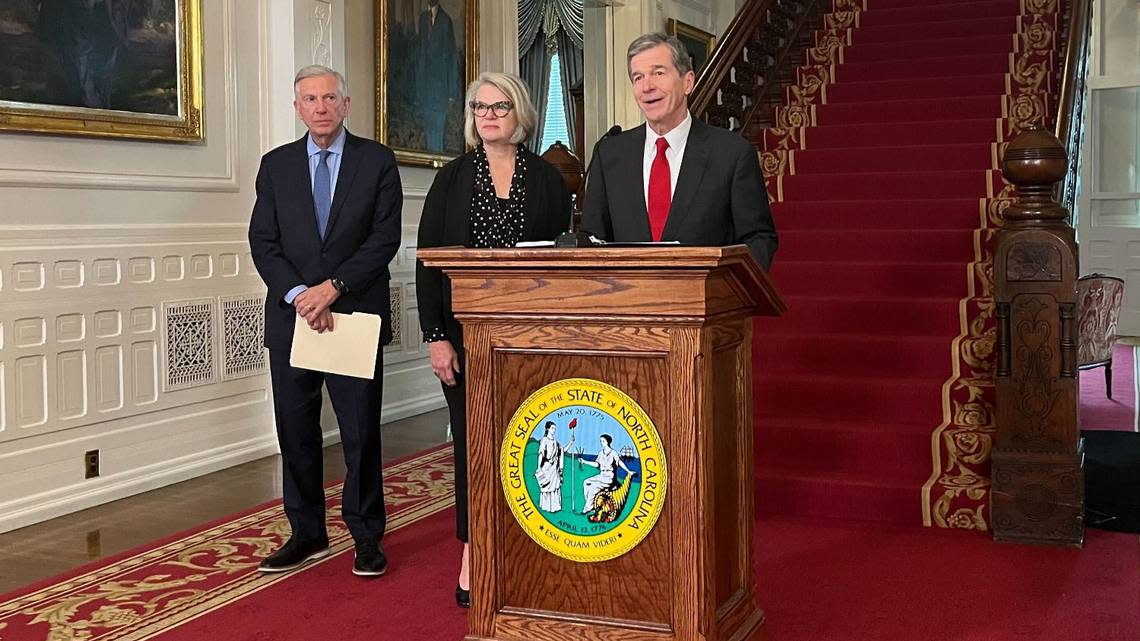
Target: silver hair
[641,44]
[313,71]
[515,90]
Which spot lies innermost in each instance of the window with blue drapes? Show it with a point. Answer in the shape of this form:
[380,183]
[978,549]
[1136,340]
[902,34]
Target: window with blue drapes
[554,128]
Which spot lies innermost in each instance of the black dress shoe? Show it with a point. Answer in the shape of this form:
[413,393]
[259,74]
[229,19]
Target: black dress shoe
[295,553]
[370,559]
[462,597]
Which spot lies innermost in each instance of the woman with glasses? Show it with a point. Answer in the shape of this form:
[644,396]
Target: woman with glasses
[496,195]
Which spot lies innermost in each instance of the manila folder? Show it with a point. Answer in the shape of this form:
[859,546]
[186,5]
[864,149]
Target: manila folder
[349,349]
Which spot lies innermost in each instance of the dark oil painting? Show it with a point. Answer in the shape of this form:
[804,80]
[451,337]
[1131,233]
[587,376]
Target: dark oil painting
[100,54]
[426,48]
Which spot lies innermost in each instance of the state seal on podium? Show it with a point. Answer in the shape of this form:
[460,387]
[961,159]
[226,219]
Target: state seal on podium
[583,470]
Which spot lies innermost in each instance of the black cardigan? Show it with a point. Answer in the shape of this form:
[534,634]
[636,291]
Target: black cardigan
[446,222]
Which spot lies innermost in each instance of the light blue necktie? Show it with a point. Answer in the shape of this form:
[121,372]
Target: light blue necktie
[322,192]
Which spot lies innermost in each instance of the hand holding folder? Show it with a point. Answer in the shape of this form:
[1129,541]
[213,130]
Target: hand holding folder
[349,348]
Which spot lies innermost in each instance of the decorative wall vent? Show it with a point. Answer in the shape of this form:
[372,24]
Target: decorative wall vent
[189,343]
[396,293]
[243,336]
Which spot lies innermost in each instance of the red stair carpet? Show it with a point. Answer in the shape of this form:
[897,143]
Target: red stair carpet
[882,169]
[818,580]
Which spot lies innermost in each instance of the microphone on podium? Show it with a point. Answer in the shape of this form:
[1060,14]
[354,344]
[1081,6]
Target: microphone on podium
[575,237]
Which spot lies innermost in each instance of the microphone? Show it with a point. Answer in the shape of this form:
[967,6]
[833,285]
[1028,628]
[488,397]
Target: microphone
[575,237]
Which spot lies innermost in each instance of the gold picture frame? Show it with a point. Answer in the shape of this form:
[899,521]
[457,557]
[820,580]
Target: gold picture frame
[168,107]
[699,43]
[409,111]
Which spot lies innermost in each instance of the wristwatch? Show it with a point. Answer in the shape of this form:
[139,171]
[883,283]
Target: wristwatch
[339,285]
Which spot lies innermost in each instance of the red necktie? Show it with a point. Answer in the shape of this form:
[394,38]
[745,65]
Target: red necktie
[660,183]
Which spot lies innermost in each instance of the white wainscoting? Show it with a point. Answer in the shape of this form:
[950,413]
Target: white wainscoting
[114,340]
[129,307]
[145,344]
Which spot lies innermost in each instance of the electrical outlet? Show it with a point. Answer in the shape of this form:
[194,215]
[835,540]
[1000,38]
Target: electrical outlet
[91,464]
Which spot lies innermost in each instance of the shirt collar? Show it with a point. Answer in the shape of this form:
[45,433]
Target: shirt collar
[675,136]
[337,146]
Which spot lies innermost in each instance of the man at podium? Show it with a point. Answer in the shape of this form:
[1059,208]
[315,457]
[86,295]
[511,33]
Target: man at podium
[675,178]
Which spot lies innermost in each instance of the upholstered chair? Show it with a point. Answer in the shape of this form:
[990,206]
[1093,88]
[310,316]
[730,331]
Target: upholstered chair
[1099,298]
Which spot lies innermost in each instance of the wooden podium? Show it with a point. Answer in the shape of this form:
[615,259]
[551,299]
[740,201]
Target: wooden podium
[672,329]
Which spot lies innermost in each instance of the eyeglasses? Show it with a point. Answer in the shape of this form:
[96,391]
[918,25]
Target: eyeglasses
[501,109]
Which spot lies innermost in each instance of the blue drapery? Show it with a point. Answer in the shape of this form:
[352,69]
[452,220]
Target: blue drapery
[560,25]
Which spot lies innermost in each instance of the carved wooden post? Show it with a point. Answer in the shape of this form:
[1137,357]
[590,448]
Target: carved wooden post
[1038,484]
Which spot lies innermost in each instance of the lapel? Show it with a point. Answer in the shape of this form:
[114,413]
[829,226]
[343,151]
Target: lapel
[630,171]
[300,183]
[349,163]
[692,170]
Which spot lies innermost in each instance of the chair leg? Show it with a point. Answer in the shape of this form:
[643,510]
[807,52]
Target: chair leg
[1108,379]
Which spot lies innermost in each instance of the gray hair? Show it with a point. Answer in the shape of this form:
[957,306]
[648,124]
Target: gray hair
[641,44]
[515,90]
[313,71]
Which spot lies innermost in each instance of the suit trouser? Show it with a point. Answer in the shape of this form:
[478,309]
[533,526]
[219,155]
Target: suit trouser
[457,409]
[297,405]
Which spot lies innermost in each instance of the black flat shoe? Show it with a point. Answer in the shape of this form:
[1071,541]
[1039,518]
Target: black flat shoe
[370,559]
[295,553]
[462,597]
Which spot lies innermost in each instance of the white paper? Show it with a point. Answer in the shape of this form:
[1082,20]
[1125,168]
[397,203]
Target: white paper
[349,349]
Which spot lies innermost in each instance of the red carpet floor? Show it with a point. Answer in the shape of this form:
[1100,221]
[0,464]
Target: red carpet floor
[196,577]
[819,580]
[878,212]
[901,585]
[875,582]
[1098,412]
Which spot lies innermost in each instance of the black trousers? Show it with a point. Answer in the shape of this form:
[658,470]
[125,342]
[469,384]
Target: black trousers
[457,408]
[297,405]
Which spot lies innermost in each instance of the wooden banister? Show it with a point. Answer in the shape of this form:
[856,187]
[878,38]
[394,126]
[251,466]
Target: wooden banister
[730,47]
[760,39]
[1074,70]
[1072,99]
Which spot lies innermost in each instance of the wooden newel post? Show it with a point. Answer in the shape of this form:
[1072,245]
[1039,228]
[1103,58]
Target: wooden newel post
[1038,483]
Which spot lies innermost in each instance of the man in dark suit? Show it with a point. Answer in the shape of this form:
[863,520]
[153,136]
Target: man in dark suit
[437,73]
[324,228]
[676,178]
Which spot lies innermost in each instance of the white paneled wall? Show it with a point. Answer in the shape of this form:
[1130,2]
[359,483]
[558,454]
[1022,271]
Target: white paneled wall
[116,340]
[122,263]
[130,316]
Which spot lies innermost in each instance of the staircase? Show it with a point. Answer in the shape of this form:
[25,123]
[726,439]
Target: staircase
[874,392]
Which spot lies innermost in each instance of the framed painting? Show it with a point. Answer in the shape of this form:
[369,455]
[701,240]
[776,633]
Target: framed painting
[118,68]
[427,52]
[698,43]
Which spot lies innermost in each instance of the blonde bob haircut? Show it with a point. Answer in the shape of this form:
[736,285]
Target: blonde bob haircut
[513,88]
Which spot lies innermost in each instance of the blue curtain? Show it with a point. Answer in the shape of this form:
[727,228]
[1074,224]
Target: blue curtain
[546,26]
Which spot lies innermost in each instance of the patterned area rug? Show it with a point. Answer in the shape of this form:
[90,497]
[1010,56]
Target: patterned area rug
[819,579]
[152,590]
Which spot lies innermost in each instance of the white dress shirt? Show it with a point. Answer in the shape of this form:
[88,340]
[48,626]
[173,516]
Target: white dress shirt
[677,138]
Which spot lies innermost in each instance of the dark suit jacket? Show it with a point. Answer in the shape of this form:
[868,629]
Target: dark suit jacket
[719,199]
[446,221]
[437,65]
[362,236]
